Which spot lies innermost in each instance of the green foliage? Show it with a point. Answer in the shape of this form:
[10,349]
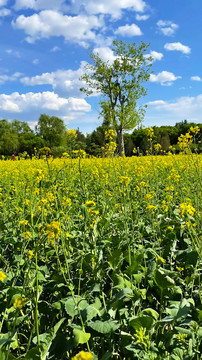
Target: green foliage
[52,130]
[101,256]
[120,83]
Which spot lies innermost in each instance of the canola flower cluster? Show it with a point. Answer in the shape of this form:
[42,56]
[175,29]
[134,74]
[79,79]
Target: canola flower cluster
[66,223]
[83,356]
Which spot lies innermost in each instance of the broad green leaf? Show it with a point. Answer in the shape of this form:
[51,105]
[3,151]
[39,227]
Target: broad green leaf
[163,280]
[33,354]
[90,312]
[107,355]
[81,337]
[138,277]
[187,257]
[150,312]
[5,356]
[116,259]
[72,306]
[183,311]
[104,327]
[5,341]
[144,321]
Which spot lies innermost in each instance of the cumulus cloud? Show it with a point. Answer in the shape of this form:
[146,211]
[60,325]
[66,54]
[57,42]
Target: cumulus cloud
[185,107]
[155,55]
[13,77]
[47,100]
[177,46]
[142,17]
[64,82]
[91,7]
[128,30]
[112,7]
[3,2]
[47,23]
[105,53]
[4,12]
[39,4]
[195,78]
[167,28]
[164,78]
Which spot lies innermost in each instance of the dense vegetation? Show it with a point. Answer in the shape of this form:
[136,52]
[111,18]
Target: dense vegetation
[101,258]
[18,138]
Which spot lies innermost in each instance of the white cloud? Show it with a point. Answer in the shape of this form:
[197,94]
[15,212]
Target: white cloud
[177,46]
[13,53]
[47,23]
[18,103]
[167,28]
[13,77]
[195,78]
[128,30]
[155,55]
[112,7]
[105,53]
[3,2]
[142,17]
[39,4]
[35,61]
[91,7]
[164,78]
[55,48]
[184,108]
[64,82]
[4,12]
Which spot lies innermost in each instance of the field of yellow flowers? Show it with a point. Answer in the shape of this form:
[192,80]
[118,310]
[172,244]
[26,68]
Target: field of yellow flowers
[101,258]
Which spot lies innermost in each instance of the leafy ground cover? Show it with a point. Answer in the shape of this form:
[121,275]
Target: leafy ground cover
[101,258]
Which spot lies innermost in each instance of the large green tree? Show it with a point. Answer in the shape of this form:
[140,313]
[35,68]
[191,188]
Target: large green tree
[52,129]
[120,83]
[8,138]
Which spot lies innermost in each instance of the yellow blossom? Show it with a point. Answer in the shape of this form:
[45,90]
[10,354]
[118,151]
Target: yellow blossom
[179,268]
[83,356]
[19,302]
[31,254]
[2,276]
[53,230]
[23,222]
[159,258]
[27,235]
[90,203]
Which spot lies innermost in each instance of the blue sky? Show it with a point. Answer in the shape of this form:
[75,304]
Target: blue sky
[44,47]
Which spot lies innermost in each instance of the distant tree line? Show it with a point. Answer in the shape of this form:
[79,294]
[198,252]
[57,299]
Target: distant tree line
[16,137]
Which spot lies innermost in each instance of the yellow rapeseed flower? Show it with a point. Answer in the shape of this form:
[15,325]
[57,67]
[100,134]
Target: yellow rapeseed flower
[31,254]
[159,258]
[23,222]
[2,276]
[19,302]
[83,356]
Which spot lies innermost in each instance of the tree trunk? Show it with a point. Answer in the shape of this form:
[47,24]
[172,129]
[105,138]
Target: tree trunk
[121,148]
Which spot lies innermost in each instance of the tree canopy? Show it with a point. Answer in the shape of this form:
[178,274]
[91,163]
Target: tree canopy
[120,83]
